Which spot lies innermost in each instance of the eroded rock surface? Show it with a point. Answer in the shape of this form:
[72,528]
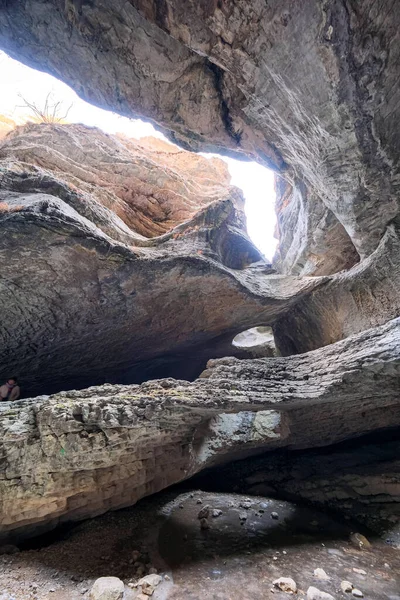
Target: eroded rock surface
[78,454]
[309,90]
[151,185]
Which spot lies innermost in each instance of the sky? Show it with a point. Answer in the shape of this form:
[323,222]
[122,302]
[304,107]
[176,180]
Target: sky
[256,181]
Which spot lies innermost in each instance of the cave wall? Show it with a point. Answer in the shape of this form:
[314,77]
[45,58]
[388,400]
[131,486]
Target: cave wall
[307,88]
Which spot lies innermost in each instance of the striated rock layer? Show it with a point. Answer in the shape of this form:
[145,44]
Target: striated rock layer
[85,299]
[310,90]
[124,269]
[78,454]
[151,185]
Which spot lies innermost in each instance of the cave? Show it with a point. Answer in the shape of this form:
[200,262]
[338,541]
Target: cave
[160,348]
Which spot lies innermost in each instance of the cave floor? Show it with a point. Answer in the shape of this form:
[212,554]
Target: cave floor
[237,558]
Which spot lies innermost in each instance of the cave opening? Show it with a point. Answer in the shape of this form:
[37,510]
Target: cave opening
[33,96]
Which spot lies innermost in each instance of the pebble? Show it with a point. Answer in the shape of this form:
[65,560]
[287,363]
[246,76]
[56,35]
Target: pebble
[204,524]
[199,501]
[359,571]
[320,574]
[243,516]
[216,513]
[274,515]
[316,594]
[357,593]
[286,584]
[346,586]
[246,504]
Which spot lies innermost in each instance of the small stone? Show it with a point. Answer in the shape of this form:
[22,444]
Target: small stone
[274,515]
[286,584]
[243,516]
[141,597]
[316,594]
[149,583]
[204,524]
[246,504]
[359,541]
[204,512]
[320,574]
[152,571]
[216,513]
[357,593]
[52,590]
[107,588]
[167,578]
[346,586]
[181,506]
[199,501]
[359,571]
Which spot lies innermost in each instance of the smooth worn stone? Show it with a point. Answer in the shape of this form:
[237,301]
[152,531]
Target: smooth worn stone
[107,588]
[357,593]
[360,541]
[346,586]
[316,594]
[321,574]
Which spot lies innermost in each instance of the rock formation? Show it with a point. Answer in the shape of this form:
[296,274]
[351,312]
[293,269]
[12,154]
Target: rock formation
[80,287]
[78,454]
[150,185]
[111,275]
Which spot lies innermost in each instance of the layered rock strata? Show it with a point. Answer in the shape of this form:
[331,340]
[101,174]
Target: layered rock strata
[151,185]
[85,299]
[309,90]
[78,454]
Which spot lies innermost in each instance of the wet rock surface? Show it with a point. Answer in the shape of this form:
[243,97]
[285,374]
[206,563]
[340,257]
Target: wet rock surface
[203,565]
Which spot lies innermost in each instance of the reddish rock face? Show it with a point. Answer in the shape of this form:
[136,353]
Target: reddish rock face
[151,185]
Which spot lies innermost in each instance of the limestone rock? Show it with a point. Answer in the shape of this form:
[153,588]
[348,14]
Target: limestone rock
[113,438]
[321,574]
[346,586]
[286,584]
[150,185]
[107,588]
[316,594]
[311,92]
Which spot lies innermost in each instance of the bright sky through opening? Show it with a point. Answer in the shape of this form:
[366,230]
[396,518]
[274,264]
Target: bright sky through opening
[256,181]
